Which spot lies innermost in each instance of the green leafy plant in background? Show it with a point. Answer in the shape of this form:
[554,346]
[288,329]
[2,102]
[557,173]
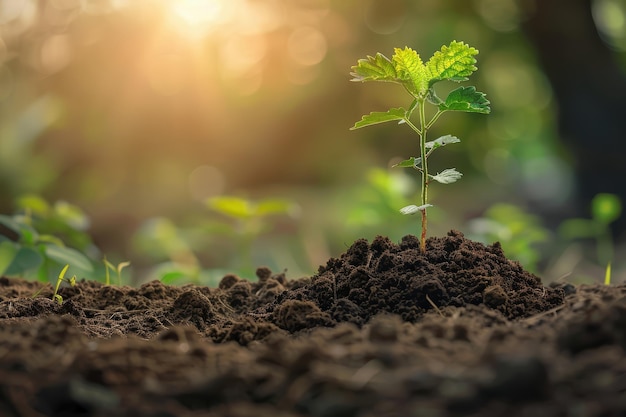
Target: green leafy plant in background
[456,63]
[376,201]
[518,232]
[162,240]
[32,242]
[182,250]
[605,209]
[250,220]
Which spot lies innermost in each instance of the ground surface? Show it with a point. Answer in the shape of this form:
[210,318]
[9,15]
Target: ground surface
[380,331]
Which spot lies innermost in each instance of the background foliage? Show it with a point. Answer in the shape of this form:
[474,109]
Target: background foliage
[141,111]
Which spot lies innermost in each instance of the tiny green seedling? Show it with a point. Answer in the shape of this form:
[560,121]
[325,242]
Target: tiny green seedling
[456,63]
[72,281]
[118,269]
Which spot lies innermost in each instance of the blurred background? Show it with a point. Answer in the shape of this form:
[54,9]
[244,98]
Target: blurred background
[143,116]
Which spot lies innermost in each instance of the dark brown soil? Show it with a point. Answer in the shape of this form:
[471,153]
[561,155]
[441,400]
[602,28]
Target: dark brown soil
[381,331]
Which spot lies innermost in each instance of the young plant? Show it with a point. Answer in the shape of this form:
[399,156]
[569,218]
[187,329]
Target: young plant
[72,281]
[118,269]
[456,63]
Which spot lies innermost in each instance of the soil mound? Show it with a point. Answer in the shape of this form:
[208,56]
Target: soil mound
[370,279]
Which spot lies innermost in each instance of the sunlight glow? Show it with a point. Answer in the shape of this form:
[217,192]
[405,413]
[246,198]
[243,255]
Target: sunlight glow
[198,17]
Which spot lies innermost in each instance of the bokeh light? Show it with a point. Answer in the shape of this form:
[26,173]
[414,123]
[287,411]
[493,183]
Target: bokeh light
[610,17]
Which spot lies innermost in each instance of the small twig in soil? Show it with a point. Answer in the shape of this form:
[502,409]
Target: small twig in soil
[434,305]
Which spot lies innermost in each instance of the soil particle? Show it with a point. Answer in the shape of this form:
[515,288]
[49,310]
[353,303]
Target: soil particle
[382,330]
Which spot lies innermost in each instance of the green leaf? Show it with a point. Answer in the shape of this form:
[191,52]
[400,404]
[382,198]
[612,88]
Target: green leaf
[8,250]
[442,141]
[26,234]
[411,71]
[50,239]
[606,208]
[447,176]
[174,277]
[466,99]
[412,162]
[236,207]
[273,206]
[412,209]
[378,68]
[33,203]
[25,259]
[71,215]
[454,62]
[64,255]
[376,117]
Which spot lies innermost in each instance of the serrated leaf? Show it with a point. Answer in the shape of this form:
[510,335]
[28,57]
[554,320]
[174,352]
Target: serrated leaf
[454,62]
[412,162]
[442,141]
[466,99]
[412,209]
[376,117]
[410,70]
[447,176]
[377,68]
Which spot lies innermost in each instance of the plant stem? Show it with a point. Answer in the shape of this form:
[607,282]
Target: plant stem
[422,135]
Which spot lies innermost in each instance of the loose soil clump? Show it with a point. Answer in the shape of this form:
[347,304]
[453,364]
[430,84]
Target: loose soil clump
[383,330]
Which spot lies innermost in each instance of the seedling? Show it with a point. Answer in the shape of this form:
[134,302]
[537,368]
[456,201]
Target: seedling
[456,63]
[118,269]
[72,281]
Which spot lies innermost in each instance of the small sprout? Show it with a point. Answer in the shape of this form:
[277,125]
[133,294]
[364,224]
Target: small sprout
[118,269]
[455,63]
[72,281]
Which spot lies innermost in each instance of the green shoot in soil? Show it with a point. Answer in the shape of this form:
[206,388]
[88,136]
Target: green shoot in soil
[456,63]
[72,281]
[118,269]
